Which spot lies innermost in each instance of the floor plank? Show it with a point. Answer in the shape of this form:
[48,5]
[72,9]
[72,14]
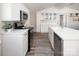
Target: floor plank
[40,45]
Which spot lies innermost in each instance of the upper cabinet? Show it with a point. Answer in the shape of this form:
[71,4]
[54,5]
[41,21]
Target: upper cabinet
[11,11]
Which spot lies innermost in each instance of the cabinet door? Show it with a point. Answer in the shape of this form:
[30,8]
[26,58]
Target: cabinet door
[11,45]
[0,43]
[14,44]
[51,37]
[0,49]
[50,34]
[25,44]
[44,27]
[71,47]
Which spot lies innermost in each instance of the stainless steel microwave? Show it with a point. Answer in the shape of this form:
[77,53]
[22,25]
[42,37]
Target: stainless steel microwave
[23,15]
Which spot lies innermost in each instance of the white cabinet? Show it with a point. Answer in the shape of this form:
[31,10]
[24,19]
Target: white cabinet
[11,11]
[0,44]
[15,43]
[25,43]
[65,47]
[71,47]
[44,28]
[0,48]
[66,41]
[51,36]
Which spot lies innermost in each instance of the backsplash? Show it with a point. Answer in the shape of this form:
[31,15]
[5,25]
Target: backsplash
[7,25]
[10,24]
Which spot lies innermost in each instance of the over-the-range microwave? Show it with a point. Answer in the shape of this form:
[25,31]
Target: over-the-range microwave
[23,15]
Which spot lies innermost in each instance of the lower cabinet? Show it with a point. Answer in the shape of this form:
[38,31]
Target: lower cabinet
[58,44]
[0,44]
[25,44]
[44,28]
[71,47]
[0,49]
[51,36]
[65,47]
[15,44]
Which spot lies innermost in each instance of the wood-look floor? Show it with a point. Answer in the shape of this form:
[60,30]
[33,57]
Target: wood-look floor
[40,45]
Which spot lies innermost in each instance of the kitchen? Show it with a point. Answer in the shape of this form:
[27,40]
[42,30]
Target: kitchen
[39,27]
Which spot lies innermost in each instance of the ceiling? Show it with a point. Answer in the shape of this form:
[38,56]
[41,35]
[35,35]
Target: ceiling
[41,6]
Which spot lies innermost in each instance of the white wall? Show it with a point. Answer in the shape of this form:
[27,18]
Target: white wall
[38,22]
[33,19]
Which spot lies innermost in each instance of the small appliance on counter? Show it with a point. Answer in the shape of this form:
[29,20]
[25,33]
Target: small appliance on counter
[18,25]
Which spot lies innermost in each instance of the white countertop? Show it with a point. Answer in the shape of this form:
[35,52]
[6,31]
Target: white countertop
[66,33]
[16,31]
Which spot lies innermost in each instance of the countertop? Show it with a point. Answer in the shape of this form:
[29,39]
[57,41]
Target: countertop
[15,31]
[66,33]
